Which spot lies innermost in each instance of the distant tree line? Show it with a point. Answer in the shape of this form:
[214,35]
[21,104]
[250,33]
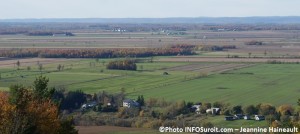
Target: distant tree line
[95,53]
[217,48]
[44,33]
[16,28]
[254,42]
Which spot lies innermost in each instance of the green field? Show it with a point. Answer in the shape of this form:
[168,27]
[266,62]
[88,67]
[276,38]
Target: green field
[262,83]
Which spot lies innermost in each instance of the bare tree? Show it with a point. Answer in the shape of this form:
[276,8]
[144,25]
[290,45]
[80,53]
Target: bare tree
[18,64]
[40,66]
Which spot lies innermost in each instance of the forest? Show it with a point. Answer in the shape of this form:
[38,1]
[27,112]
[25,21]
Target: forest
[97,52]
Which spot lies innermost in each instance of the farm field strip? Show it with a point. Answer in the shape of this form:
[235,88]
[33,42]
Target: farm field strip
[226,60]
[192,67]
[210,67]
[31,61]
[224,67]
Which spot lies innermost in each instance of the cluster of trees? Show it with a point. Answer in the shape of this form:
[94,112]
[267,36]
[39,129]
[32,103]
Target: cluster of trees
[31,111]
[217,48]
[45,33]
[94,53]
[69,100]
[254,42]
[122,65]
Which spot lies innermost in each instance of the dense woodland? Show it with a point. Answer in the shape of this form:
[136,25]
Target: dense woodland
[97,52]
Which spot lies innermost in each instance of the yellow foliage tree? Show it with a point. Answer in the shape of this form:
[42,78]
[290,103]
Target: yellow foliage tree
[27,115]
[285,109]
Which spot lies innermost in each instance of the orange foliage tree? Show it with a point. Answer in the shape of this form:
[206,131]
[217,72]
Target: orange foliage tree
[27,115]
[22,112]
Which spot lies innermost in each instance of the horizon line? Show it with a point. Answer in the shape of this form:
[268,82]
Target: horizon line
[145,17]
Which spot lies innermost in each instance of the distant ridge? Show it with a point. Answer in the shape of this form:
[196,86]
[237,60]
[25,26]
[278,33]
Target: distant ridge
[202,20]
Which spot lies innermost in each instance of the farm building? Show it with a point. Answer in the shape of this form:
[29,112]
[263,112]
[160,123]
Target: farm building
[229,118]
[259,117]
[130,103]
[196,108]
[247,117]
[239,116]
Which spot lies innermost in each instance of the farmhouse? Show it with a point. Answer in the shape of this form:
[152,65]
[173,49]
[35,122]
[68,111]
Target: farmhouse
[130,103]
[196,108]
[213,111]
[89,105]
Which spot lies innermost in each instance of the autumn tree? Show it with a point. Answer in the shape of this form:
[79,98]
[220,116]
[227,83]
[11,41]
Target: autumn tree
[31,111]
[266,109]
[250,110]
[23,114]
[285,109]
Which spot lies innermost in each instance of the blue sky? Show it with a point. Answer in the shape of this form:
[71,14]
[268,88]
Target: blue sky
[10,9]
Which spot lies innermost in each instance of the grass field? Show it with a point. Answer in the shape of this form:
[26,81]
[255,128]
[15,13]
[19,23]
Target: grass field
[208,76]
[259,83]
[264,83]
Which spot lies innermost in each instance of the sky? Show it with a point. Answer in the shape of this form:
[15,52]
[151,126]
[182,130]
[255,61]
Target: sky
[19,9]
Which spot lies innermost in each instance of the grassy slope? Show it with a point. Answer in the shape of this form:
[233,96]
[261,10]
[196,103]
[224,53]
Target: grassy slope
[269,83]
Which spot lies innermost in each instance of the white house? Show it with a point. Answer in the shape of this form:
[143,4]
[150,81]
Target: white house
[130,103]
[197,108]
